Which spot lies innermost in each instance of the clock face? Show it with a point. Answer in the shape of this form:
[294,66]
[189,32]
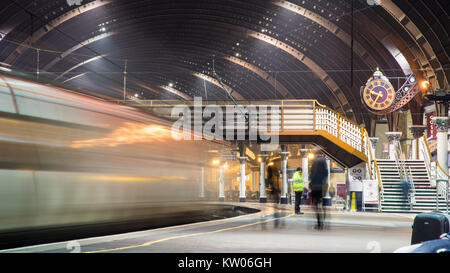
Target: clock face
[378,95]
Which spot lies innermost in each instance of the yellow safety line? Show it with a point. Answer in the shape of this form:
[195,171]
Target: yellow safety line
[188,235]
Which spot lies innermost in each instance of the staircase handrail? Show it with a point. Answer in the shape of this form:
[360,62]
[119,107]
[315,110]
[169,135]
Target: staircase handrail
[401,168]
[431,158]
[374,172]
[407,173]
[443,174]
[427,156]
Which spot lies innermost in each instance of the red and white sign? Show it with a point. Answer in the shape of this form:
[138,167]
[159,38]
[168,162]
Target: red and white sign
[370,191]
[431,127]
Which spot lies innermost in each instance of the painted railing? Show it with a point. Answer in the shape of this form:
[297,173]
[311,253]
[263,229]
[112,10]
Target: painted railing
[352,134]
[437,173]
[292,116]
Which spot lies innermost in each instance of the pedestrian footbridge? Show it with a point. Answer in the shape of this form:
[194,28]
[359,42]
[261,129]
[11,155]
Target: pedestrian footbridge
[293,121]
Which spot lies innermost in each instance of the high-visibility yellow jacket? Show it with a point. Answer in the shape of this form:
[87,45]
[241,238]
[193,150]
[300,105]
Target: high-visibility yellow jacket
[297,179]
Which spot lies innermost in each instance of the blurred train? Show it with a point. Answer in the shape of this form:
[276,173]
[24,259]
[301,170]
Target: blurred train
[70,159]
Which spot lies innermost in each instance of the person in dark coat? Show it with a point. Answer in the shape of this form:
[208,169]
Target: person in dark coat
[318,188]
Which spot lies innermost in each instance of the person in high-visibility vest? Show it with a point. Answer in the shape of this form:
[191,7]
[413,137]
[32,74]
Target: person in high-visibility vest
[298,186]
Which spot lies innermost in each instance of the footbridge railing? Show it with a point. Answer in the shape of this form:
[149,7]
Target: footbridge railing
[439,176]
[292,117]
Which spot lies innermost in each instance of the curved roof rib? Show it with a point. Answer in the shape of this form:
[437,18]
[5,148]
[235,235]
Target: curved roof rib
[277,85]
[426,56]
[53,24]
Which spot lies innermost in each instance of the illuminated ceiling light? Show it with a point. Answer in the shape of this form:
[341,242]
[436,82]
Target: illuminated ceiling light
[237,44]
[136,95]
[412,79]
[103,29]
[237,55]
[171,84]
[216,162]
[425,84]
[406,88]
[270,164]
[310,156]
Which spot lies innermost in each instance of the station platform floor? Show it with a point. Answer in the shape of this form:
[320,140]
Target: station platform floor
[274,229]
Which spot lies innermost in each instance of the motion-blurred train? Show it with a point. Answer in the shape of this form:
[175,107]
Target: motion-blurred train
[69,159]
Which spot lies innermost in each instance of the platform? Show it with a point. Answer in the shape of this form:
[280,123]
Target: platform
[274,229]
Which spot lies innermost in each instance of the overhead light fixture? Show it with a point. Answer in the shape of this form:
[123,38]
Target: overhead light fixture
[412,79]
[425,84]
[216,162]
[310,156]
[170,84]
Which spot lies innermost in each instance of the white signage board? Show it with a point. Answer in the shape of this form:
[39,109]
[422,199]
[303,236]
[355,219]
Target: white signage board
[370,191]
[356,176]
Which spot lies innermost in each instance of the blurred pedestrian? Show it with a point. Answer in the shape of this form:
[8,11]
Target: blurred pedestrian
[318,187]
[298,186]
[406,186]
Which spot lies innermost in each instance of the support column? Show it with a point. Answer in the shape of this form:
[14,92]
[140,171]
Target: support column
[221,184]
[417,132]
[253,180]
[242,160]
[262,179]
[394,140]
[202,182]
[442,140]
[327,197]
[305,165]
[284,156]
[373,144]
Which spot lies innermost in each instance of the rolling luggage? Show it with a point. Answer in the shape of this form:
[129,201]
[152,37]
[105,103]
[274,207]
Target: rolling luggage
[429,226]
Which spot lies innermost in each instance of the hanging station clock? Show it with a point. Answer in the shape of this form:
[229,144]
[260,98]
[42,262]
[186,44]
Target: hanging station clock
[378,94]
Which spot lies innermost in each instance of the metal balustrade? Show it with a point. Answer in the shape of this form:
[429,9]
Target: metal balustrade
[284,117]
[437,174]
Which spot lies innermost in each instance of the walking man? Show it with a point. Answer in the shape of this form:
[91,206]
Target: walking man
[318,187]
[297,180]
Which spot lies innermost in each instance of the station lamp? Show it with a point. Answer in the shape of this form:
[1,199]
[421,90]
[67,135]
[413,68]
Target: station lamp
[310,156]
[216,162]
[425,84]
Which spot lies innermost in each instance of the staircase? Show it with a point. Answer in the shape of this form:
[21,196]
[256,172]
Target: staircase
[392,199]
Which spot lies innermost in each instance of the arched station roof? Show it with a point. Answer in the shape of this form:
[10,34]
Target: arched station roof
[261,49]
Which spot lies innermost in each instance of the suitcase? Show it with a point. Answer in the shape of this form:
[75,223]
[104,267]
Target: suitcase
[429,226]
